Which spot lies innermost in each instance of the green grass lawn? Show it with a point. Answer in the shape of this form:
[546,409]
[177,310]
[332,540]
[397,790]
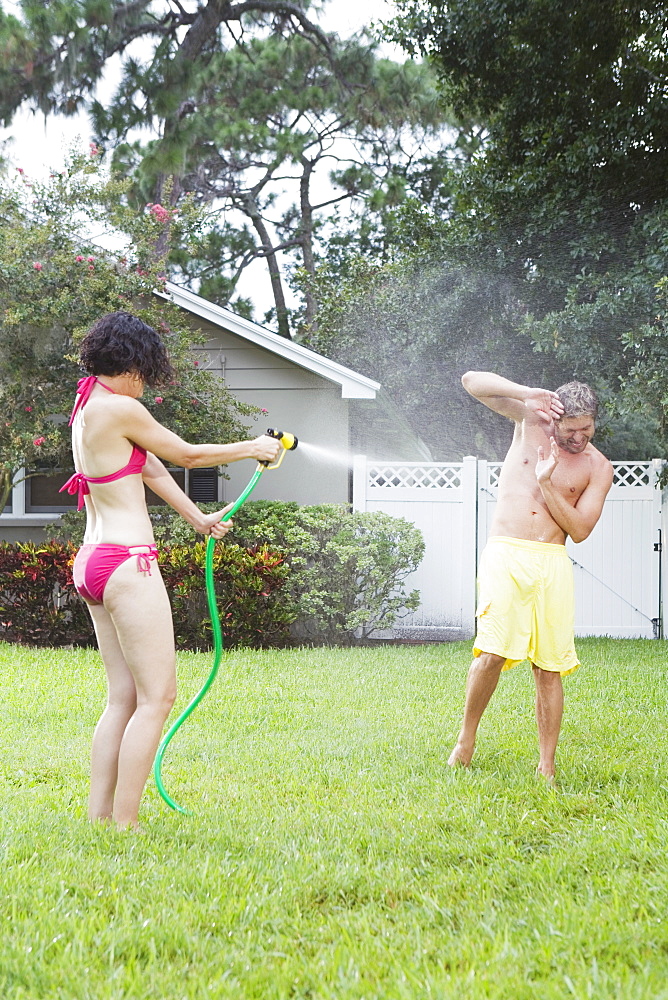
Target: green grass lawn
[331,853]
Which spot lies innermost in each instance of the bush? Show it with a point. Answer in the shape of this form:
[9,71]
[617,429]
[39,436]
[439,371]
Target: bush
[248,582]
[40,607]
[346,569]
[38,603]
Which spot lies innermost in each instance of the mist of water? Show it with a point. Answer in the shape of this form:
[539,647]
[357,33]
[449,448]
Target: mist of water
[330,455]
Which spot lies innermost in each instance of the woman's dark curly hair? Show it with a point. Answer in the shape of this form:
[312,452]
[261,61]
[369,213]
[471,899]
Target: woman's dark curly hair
[120,342]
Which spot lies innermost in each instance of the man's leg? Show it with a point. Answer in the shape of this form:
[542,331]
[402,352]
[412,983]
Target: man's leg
[549,711]
[481,682]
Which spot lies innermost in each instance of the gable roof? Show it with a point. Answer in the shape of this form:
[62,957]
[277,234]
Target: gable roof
[353,385]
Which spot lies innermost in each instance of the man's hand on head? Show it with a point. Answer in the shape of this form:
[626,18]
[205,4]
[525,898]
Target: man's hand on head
[545,404]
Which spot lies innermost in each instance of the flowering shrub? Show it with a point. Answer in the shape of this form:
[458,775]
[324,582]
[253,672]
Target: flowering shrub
[40,607]
[54,284]
[346,569]
[38,603]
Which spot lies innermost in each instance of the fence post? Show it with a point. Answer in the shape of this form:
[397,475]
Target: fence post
[359,482]
[469,540]
[662,503]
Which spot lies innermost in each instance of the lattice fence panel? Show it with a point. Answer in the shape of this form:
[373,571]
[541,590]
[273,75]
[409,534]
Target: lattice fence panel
[632,474]
[426,477]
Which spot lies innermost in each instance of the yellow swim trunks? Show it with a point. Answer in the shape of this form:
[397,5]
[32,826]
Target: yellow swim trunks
[526,605]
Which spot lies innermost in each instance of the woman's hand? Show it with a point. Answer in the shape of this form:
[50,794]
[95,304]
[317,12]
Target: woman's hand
[211,524]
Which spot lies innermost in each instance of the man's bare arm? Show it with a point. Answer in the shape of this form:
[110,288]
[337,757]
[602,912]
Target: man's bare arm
[579,521]
[511,399]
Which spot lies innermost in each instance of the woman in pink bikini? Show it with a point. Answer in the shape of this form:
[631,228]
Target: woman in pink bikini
[115,441]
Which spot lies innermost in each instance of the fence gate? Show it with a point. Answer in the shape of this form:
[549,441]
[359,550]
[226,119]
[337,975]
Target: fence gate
[618,569]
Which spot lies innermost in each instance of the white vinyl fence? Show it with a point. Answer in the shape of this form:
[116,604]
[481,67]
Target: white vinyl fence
[618,569]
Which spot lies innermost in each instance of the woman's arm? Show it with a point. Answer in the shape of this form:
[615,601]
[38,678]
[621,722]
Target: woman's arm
[136,424]
[158,479]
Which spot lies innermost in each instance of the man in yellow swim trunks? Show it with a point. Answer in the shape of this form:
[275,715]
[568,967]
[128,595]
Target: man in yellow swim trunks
[553,484]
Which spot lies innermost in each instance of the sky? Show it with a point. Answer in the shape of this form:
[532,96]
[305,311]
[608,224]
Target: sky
[38,146]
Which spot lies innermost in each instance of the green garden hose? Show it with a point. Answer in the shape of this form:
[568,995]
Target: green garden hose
[288,442]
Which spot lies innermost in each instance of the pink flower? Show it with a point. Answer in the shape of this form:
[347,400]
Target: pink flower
[38,441]
[160,213]
[28,409]
[94,149]
[263,410]
[90,260]
[196,364]
[158,399]
[78,258]
[195,402]
[20,170]
[36,264]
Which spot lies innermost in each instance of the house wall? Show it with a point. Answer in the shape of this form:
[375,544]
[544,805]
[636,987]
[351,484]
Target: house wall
[298,401]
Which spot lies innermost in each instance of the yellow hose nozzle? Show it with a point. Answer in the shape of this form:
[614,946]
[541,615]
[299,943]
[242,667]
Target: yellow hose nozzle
[289,442]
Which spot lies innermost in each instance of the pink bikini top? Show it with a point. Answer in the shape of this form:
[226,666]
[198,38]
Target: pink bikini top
[78,483]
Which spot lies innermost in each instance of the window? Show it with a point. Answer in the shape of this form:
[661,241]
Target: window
[203,485]
[153,500]
[43,496]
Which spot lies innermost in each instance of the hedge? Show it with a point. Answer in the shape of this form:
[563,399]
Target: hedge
[40,607]
[347,569]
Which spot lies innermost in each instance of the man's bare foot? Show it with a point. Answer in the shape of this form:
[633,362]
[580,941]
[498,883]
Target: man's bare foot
[460,756]
[548,776]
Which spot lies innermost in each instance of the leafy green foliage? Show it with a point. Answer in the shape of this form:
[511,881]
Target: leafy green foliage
[567,198]
[54,284]
[250,584]
[346,570]
[39,605]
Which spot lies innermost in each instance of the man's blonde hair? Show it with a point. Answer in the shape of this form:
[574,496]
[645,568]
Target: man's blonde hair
[578,399]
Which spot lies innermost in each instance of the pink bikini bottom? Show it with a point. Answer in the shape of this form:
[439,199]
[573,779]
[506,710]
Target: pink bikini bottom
[94,564]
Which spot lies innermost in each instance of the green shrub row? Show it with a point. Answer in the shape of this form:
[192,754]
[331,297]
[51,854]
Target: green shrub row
[347,570]
[38,603]
[40,607]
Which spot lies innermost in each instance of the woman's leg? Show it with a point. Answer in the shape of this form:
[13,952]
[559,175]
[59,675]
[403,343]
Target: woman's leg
[140,613]
[121,704]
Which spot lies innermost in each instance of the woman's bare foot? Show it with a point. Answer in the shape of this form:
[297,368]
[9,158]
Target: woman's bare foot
[129,827]
[547,775]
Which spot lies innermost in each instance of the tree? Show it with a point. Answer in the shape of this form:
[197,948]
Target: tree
[55,53]
[259,147]
[54,284]
[569,191]
[249,101]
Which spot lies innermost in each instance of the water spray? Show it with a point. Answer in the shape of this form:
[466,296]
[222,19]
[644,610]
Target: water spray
[289,442]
